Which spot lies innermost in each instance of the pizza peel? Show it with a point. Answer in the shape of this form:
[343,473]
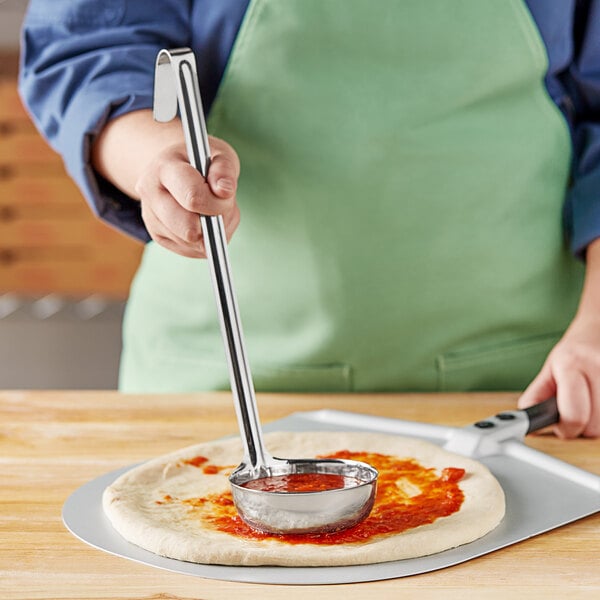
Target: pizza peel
[542,493]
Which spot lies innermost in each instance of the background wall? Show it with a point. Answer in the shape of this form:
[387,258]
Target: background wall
[64,276]
[11,15]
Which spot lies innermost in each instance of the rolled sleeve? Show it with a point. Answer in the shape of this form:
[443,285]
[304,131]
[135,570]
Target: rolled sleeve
[84,62]
[582,206]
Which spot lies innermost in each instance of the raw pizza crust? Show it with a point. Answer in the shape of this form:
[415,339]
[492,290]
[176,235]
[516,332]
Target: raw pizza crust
[167,529]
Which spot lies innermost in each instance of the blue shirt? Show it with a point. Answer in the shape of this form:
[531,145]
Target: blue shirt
[84,62]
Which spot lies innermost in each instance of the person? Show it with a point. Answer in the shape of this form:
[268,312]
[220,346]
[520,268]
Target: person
[407,173]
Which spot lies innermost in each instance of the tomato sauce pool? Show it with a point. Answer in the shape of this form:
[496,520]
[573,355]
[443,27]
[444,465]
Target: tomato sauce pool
[408,495]
[302,482]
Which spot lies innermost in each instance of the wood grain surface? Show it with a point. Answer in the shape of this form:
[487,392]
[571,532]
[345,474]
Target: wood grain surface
[53,442]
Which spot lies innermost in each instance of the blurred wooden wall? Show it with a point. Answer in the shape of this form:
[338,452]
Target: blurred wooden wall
[50,242]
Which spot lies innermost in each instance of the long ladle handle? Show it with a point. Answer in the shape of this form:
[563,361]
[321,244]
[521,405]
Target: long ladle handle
[176,82]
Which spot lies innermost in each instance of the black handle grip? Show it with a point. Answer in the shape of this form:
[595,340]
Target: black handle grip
[543,414]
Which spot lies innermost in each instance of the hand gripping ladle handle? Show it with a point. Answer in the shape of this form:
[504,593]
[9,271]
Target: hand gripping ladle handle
[176,84]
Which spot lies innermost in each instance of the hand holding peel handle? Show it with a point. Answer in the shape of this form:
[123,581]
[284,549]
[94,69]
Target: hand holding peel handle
[572,370]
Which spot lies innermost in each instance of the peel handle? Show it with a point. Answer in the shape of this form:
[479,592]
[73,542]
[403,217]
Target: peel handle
[543,414]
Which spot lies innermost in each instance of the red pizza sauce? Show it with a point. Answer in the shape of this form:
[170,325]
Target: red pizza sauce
[301,482]
[408,495]
[196,461]
[199,461]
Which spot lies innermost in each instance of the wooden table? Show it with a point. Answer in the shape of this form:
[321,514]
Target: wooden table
[53,442]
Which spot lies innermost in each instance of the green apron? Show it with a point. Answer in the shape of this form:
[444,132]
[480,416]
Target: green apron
[403,173]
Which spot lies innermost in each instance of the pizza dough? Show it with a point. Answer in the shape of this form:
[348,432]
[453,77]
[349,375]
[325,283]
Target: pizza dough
[156,506]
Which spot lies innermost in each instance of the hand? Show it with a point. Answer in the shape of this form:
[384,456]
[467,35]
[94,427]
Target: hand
[173,194]
[572,373]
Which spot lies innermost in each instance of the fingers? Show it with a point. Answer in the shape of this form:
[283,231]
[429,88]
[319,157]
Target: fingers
[174,194]
[178,230]
[577,400]
[189,244]
[193,193]
[540,389]
[232,222]
[224,169]
[574,404]
[592,429]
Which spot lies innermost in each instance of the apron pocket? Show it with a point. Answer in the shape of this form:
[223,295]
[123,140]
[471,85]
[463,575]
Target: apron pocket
[509,365]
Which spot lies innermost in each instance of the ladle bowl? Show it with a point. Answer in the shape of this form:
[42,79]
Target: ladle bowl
[301,512]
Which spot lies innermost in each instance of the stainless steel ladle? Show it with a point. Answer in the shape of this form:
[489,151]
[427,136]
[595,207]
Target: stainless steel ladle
[176,84]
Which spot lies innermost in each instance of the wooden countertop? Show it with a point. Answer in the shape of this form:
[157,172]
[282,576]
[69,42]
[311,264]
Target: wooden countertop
[53,442]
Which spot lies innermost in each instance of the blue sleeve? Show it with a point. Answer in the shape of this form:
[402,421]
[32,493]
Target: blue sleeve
[83,62]
[571,32]
[582,207]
